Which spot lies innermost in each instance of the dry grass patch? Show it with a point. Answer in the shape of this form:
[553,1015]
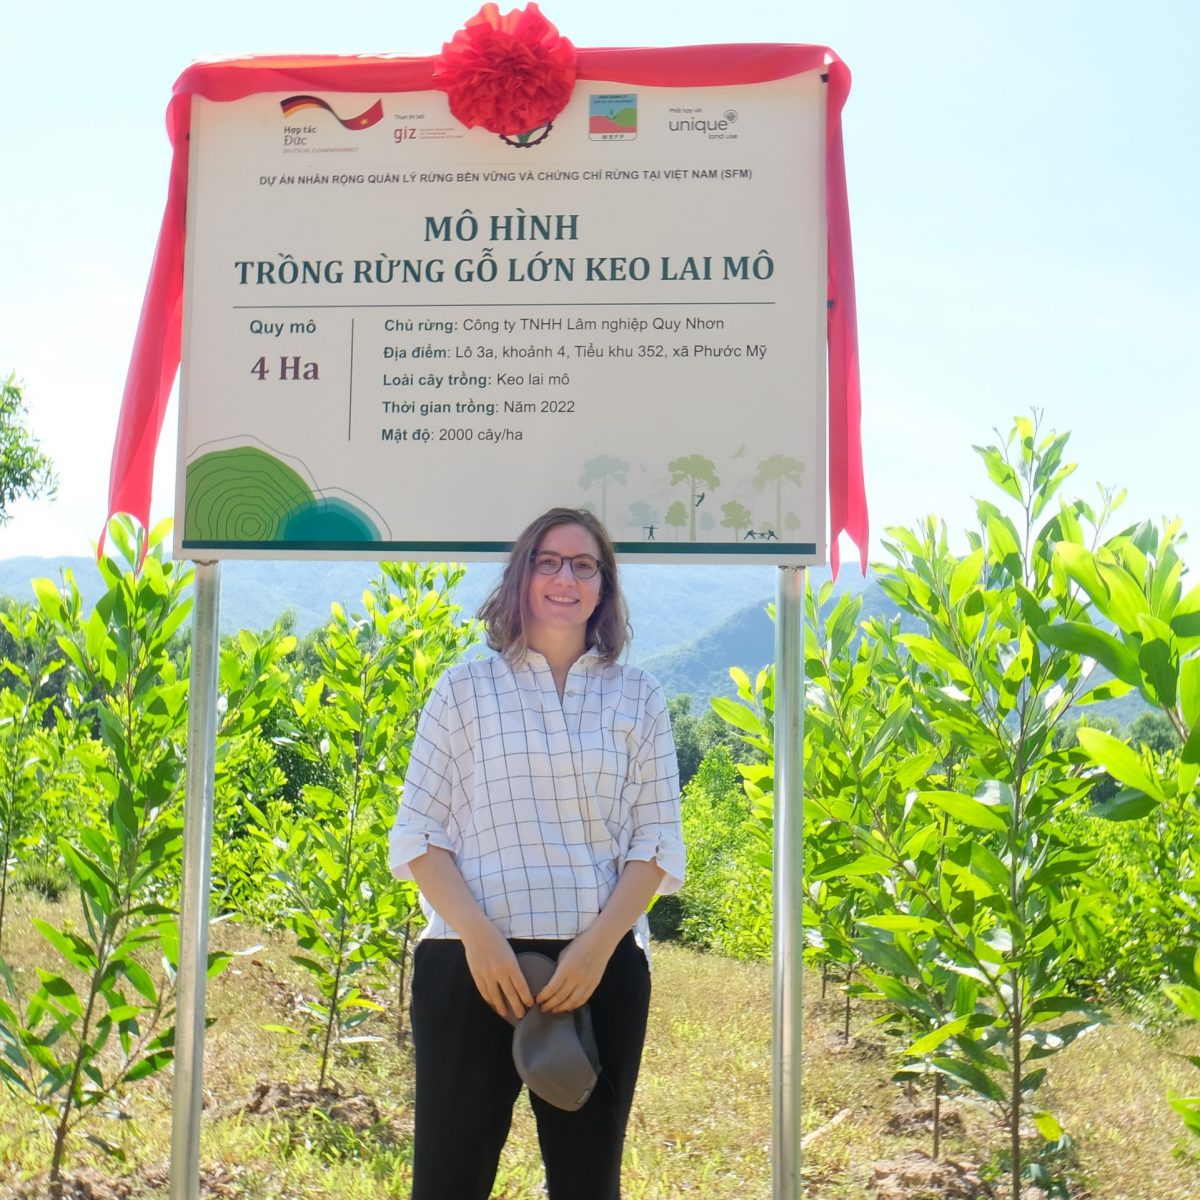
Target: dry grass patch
[701,1124]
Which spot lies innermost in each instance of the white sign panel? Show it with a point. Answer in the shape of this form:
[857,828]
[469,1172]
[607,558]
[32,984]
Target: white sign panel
[404,338]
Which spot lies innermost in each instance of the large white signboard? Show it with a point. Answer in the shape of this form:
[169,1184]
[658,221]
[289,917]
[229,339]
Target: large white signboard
[404,338]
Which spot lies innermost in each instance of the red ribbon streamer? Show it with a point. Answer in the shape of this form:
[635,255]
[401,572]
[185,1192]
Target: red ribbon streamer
[156,347]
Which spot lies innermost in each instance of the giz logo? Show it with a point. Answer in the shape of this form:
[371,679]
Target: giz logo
[403,133]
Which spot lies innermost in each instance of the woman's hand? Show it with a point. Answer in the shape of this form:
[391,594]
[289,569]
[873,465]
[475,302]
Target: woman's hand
[577,975]
[490,958]
[581,965]
[493,966]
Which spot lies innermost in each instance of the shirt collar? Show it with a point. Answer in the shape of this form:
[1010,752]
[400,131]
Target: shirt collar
[588,659]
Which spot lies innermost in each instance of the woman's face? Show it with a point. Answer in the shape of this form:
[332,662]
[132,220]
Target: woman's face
[559,606]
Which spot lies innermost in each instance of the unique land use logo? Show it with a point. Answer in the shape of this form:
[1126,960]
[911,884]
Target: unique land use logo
[693,120]
[613,117]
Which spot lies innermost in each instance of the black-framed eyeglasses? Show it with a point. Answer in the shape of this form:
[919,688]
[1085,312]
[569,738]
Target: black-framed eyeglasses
[546,562]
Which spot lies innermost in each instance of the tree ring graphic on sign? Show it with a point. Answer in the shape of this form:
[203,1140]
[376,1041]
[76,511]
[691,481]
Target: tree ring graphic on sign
[248,494]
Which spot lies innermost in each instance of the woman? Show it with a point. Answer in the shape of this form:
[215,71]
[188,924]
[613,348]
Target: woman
[540,812]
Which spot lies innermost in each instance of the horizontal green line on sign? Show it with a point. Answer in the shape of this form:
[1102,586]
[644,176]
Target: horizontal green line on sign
[565,304]
[763,549]
[768,550]
[348,547]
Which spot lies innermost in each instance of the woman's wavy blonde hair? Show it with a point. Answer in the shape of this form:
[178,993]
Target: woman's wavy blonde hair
[503,612]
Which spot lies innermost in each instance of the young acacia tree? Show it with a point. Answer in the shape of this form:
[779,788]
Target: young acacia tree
[1015,910]
[376,670]
[30,754]
[99,1016]
[937,798]
[1151,643]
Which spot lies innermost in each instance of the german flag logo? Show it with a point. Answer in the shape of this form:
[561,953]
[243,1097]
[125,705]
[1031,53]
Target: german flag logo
[364,120]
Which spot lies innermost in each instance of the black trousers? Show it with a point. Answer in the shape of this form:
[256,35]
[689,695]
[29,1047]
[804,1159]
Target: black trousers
[466,1084]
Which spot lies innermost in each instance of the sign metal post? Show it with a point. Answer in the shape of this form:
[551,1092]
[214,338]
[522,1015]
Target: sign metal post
[192,980]
[788,889]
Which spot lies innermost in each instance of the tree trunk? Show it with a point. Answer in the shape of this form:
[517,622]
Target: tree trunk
[937,1117]
[1015,1109]
[400,1010]
[332,1021]
[3,888]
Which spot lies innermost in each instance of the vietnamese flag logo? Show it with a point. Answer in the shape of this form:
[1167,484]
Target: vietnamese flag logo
[364,120]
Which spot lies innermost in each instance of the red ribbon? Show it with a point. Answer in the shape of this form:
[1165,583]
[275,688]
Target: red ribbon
[156,347]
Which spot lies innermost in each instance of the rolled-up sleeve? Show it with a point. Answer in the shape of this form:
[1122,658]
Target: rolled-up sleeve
[652,794]
[424,817]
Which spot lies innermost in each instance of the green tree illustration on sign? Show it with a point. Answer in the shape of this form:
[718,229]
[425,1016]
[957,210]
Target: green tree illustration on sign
[694,470]
[779,469]
[643,516]
[677,518]
[600,470]
[736,516]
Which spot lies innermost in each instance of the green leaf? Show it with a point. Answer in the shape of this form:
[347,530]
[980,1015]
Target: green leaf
[70,945]
[1188,1107]
[1004,545]
[1119,761]
[1126,805]
[57,987]
[867,864]
[908,999]
[934,655]
[1081,566]
[1161,670]
[113,1151]
[899,923]
[966,576]
[1047,1125]
[1126,600]
[1191,748]
[90,875]
[1186,999]
[966,809]
[978,1081]
[1032,1081]
[1080,638]
[1002,474]
[311,964]
[1185,621]
[149,1065]
[737,715]
[140,978]
[936,1037]
[885,954]
[1189,690]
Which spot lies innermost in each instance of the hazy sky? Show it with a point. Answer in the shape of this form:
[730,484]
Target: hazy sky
[1023,189]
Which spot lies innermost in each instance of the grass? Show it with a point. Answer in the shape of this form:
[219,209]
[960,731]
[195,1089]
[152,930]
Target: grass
[701,1125]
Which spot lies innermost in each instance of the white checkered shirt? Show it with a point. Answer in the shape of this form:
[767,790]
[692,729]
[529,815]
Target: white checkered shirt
[542,801]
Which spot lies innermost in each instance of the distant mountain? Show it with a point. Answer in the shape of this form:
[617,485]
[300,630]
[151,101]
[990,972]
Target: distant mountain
[746,639]
[668,604]
[700,668]
[691,623]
